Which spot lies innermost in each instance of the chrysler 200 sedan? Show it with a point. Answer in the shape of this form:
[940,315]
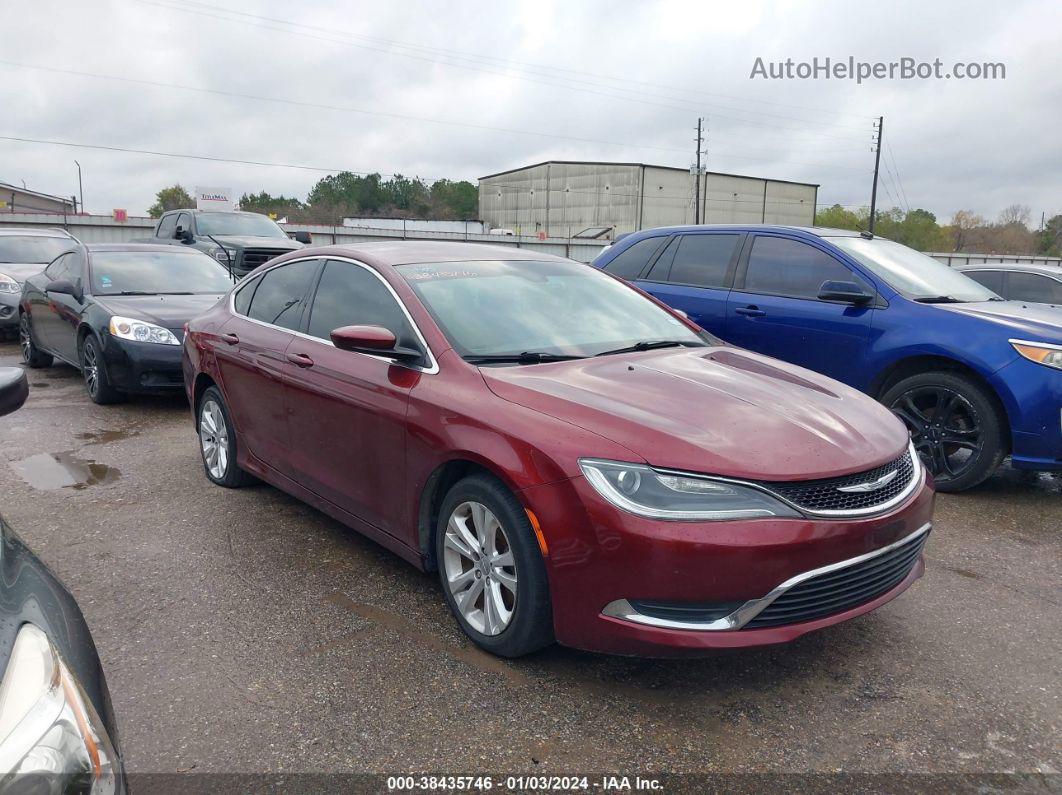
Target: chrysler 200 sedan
[578,462]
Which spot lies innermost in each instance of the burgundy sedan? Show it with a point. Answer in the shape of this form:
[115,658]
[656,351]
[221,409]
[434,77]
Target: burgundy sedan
[578,462]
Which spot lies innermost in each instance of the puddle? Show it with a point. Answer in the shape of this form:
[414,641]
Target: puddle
[106,437]
[50,471]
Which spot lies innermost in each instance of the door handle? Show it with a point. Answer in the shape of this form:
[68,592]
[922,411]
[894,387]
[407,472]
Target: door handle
[750,311]
[230,339]
[299,359]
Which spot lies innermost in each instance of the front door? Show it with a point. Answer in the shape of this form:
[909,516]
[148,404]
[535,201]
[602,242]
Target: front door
[251,354]
[348,410]
[774,308]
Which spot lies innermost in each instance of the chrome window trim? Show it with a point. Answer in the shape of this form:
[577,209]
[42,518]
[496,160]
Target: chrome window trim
[916,482]
[622,609]
[433,364]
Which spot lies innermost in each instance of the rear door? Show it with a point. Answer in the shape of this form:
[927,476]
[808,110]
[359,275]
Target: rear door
[1033,288]
[694,273]
[774,307]
[348,410]
[251,356]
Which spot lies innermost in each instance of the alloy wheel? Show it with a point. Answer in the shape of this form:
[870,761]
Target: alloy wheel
[480,568]
[91,369]
[24,340]
[944,427]
[214,439]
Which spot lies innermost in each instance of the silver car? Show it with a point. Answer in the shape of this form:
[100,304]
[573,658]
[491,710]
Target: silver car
[1019,281]
[24,252]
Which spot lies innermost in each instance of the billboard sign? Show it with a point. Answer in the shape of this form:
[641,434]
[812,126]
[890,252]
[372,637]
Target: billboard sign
[212,198]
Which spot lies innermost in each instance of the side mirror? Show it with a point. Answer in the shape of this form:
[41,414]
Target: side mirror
[14,388]
[304,237]
[63,287]
[375,340]
[184,235]
[845,292]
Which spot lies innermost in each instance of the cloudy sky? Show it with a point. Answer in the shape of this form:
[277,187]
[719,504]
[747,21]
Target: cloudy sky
[461,89]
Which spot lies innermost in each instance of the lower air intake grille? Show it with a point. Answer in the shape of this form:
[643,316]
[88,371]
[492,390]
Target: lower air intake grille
[842,589]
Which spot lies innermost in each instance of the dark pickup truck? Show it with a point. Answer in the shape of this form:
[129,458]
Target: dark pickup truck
[240,241]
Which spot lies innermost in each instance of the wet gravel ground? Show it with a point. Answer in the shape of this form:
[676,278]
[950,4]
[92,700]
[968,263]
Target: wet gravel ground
[242,631]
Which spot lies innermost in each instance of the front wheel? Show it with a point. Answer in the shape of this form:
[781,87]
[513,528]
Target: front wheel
[94,370]
[492,572]
[956,426]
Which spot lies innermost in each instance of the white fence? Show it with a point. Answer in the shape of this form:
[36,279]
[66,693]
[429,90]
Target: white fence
[104,229]
[980,259]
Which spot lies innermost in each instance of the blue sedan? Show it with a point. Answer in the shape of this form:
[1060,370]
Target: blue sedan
[973,376]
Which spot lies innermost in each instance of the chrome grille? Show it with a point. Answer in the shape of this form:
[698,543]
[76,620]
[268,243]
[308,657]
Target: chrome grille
[826,495]
[841,589]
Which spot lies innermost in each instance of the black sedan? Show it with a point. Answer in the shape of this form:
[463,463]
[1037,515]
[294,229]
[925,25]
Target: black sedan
[117,312]
[57,730]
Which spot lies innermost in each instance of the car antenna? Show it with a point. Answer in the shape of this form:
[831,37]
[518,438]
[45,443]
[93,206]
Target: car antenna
[863,233]
[228,257]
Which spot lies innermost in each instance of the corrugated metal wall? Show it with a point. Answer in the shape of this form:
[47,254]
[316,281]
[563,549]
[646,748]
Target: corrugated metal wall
[628,197]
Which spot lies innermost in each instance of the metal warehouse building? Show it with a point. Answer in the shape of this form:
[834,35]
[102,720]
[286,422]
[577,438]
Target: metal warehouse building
[561,198]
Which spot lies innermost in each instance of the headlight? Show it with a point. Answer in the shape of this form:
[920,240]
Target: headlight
[48,727]
[224,256]
[137,330]
[1040,352]
[645,492]
[9,285]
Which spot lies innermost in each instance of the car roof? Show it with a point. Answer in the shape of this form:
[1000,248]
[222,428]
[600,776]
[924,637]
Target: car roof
[407,252]
[817,231]
[20,232]
[1028,267]
[151,247]
[197,211]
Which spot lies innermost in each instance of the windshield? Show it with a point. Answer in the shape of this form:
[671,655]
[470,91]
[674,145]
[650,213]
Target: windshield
[495,308]
[162,273]
[910,272]
[33,249]
[237,224]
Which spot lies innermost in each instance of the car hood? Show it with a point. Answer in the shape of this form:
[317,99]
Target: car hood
[719,410]
[1034,322]
[20,271]
[238,241]
[168,311]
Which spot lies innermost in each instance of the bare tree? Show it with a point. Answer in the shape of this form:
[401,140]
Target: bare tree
[1015,214]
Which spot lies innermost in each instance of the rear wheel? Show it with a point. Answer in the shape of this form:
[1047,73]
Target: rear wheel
[956,426]
[31,354]
[217,442]
[491,569]
[94,370]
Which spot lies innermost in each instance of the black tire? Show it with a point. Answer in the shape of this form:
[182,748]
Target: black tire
[220,432]
[94,370]
[957,426]
[33,356]
[530,625]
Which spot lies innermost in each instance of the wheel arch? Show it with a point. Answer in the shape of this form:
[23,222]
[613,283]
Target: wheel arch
[203,382]
[436,486]
[925,363]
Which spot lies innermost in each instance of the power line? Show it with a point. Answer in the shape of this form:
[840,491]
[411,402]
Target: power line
[888,149]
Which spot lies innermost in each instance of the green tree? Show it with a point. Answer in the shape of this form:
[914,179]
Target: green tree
[837,217]
[1050,239]
[172,198]
[266,204]
[457,200]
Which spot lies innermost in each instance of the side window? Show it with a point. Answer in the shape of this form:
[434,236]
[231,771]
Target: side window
[349,295]
[167,226]
[778,266]
[993,280]
[242,300]
[58,267]
[630,263]
[700,260]
[278,298]
[184,221]
[1032,287]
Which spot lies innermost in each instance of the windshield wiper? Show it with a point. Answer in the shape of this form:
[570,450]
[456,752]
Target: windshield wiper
[527,357]
[646,345]
[939,299]
[130,292]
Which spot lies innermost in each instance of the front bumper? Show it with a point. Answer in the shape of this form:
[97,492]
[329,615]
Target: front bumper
[9,310]
[142,366]
[1032,394]
[599,556]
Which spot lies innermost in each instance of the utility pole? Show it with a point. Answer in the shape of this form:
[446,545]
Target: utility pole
[80,191]
[697,175]
[877,161]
